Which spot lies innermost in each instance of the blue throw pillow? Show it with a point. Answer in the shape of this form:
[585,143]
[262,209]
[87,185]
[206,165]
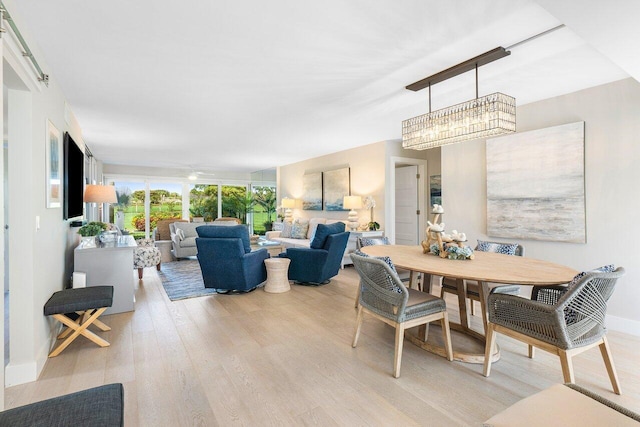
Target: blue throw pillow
[499,248]
[372,241]
[323,231]
[604,269]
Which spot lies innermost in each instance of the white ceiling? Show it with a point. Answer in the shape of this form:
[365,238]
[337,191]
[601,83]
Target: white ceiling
[247,85]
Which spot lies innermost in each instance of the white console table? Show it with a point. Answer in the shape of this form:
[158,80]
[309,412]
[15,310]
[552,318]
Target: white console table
[110,264]
[353,239]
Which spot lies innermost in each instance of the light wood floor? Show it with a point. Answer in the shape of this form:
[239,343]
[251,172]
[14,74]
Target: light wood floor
[286,359]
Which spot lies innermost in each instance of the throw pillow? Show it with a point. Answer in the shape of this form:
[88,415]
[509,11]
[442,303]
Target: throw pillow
[499,248]
[604,269]
[286,230]
[313,225]
[299,229]
[180,234]
[372,241]
[323,231]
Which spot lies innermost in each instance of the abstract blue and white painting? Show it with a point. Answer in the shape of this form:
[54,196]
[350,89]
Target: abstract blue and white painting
[336,186]
[312,191]
[535,185]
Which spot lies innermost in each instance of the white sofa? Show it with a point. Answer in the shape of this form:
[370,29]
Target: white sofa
[183,236]
[300,243]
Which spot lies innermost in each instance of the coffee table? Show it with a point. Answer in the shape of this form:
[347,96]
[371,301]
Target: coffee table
[274,248]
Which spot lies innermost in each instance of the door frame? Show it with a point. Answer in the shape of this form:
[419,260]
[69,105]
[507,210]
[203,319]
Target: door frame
[390,191]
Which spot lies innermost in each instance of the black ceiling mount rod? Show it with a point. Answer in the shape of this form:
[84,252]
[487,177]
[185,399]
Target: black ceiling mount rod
[463,67]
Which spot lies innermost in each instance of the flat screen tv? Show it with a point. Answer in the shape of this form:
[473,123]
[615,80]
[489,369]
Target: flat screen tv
[73,178]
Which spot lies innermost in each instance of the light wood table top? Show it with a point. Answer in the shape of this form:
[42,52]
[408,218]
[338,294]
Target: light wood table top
[485,268]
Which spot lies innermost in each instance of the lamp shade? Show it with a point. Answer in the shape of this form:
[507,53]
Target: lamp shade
[100,194]
[352,202]
[288,203]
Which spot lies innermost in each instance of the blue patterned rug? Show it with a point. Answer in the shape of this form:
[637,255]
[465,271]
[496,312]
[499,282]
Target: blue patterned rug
[183,279]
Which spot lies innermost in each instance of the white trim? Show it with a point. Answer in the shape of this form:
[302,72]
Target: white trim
[390,192]
[620,324]
[20,374]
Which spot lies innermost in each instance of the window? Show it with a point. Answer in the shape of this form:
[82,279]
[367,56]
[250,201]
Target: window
[126,213]
[203,202]
[165,203]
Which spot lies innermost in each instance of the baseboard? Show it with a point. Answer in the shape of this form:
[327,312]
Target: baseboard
[620,324]
[15,374]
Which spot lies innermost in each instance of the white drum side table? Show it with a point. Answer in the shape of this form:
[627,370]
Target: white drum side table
[277,275]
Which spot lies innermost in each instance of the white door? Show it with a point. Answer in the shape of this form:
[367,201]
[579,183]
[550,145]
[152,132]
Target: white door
[407,205]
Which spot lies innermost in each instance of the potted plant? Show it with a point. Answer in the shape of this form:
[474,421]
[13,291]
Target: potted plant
[90,231]
[374,226]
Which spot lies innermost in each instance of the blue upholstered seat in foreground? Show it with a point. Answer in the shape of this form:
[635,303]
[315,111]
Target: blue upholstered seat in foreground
[321,262]
[226,260]
[99,406]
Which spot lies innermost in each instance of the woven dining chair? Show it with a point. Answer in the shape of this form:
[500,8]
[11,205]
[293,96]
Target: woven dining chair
[385,297]
[565,325]
[473,294]
[405,275]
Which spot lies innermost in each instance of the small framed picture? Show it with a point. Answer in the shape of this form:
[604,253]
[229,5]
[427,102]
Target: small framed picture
[53,159]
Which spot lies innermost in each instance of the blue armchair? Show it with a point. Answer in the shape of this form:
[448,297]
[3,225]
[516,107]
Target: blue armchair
[226,260]
[318,264]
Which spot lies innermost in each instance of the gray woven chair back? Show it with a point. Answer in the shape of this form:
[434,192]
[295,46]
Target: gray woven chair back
[585,307]
[575,320]
[381,290]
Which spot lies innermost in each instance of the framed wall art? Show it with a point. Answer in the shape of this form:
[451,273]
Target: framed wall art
[337,184]
[53,166]
[312,192]
[435,189]
[535,185]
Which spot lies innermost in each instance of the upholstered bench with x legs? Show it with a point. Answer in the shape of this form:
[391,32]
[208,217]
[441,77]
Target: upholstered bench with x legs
[98,406]
[77,309]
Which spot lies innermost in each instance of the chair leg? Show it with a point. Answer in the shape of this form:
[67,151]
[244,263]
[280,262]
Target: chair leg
[356,335]
[358,296]
[446,336]
[605,350]
[488,349]
[140,271]
[567,366]
[398,354]
[79,330]
[158,266]
[532,351]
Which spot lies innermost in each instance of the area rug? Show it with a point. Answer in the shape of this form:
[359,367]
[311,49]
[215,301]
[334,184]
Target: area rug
[183,279]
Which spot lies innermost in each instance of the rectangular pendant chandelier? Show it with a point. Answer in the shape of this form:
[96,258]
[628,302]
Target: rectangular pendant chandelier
[485,116]
[490,115]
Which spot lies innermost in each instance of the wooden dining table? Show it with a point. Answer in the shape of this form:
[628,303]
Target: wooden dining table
[487,268]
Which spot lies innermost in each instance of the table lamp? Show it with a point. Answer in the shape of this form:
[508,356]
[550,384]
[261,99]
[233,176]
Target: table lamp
[288,204]
[353,203]
[100,194]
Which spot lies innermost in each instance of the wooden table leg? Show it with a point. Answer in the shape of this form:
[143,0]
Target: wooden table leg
[483,290]
[461,286]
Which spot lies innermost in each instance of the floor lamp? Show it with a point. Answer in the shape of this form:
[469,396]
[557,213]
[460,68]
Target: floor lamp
[100,194]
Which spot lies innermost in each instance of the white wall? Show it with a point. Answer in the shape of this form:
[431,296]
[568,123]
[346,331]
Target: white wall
[612,124]
[37,257]
[367,166]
